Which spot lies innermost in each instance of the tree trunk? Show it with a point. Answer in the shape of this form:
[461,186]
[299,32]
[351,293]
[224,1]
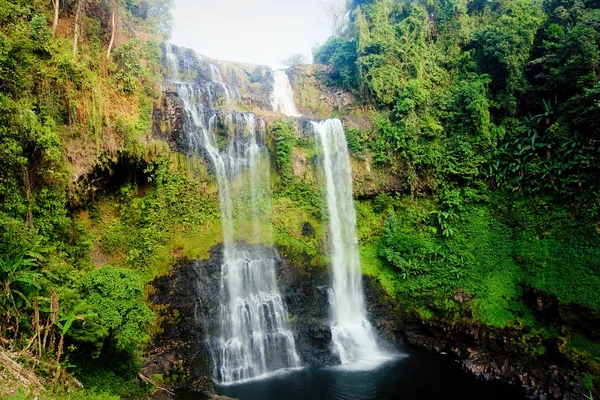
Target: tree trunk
[27,182]
[36,323]
[59,352]
[58,355]
[56,4]
[49,333]
[112,35]
[76,33]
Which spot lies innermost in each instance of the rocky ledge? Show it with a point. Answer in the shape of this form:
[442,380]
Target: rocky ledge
[489,353]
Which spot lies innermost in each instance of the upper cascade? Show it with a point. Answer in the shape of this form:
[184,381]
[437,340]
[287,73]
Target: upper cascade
[201,75]
[352,334]
[228,84]
[221,84]
[282,98]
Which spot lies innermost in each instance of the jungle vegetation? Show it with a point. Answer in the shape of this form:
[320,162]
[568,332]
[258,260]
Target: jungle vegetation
[488,110]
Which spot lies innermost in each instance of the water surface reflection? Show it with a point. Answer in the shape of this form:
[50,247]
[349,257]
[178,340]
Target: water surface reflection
[418,375]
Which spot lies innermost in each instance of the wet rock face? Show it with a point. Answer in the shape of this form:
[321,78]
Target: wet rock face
[168,118]
[187,302]
[305,292]
[313,97]
[177,352]
[221,85]
[253,83]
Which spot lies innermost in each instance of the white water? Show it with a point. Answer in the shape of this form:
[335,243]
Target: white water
[352,334]
[172,62]
[254,338]
[216,77]
[282,98]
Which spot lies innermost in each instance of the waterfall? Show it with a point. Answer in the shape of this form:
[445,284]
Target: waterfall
[215,74]
[172,63]
[282,98]
[352,334]
[254,338]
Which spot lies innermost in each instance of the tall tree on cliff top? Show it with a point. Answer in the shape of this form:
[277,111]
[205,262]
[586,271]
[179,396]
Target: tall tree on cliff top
[56,4]
[76,29]
[113,28]
[336,12]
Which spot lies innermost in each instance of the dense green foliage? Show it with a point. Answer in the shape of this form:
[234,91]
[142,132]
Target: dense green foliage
[487,111]
[490,112]
[502,92]
[58,111]
[341,55]
[495,250]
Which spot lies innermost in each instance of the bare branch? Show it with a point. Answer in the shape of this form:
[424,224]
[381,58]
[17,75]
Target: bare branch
[294,60]
[336,12]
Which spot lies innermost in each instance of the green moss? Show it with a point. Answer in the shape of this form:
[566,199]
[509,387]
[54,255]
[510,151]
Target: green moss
[149,229]
[307,93]
[588,381]
[195,243]
[285,139]
[425,313]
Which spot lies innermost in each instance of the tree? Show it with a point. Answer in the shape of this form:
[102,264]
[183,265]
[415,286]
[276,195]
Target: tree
[117,297]
[340,54]
[76,29]
[160,12]
[503,47]
[56,4]
[157,12]
[294,60]
[113,29]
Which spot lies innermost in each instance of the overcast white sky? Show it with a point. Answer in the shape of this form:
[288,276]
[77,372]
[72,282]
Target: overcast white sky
[253,31]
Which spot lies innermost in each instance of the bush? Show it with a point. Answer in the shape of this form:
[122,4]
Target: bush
[117,296]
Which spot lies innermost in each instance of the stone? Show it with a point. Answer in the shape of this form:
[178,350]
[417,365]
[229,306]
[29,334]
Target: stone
[307,229]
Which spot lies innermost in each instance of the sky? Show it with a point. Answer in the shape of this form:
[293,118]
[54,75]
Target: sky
[253,31]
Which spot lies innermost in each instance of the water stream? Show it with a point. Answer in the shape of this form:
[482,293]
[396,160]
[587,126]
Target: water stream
[254,339]
[420,376]
[282,98]
[352,334]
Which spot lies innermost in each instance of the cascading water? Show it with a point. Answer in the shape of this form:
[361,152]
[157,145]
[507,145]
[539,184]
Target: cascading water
[352,334]
[254,338]
[282,98]
[216,77]
[172,63]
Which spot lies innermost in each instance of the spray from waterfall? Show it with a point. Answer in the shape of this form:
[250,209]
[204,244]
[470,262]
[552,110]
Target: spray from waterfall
[352,334]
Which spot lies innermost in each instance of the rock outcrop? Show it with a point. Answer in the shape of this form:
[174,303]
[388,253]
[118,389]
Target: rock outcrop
[187,302]
[492,354]
[178,353]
